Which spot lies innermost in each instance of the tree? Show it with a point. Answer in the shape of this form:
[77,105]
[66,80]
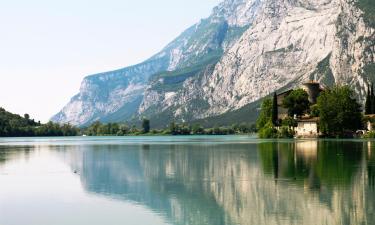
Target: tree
[268,131]
[297,102]
[146,126]
[123,130]
[265,114]
[314,110]
[27,116]
[197,129]
[369,103]
[172,128]
[372,97]
[93,130]
[264,123]
[275,112]
[339,111]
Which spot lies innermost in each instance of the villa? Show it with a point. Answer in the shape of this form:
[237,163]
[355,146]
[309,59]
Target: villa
[307,127]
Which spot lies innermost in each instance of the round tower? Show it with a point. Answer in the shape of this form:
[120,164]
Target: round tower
[313,90]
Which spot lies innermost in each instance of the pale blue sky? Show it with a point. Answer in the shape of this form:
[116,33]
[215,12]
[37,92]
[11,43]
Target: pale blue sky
[48,46]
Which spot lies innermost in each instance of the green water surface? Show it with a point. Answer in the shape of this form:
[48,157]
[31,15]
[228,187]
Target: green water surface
[203,180]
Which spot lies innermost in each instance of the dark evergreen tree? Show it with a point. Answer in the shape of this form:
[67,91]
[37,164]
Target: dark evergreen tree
[173,128]
[372,97]
[146,126]
[275,111]
[297,102]
[369,103]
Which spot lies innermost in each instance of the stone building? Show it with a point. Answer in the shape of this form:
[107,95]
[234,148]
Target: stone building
[307,127]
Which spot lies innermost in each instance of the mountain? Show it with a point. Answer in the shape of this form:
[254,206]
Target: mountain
[223,65]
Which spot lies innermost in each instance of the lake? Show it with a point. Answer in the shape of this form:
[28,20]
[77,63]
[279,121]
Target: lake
[195,180]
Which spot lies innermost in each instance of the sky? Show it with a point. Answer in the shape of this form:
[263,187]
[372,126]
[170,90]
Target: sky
[47,46]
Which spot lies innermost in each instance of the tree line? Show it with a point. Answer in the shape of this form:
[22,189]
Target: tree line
[13,125]
[118,129]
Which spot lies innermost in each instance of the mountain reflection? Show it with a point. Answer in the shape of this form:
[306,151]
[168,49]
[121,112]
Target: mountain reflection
[309,182]
[281,182]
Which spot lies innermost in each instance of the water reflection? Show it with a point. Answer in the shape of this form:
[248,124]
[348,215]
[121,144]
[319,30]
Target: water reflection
[315,163]
[314,182]
[294,182]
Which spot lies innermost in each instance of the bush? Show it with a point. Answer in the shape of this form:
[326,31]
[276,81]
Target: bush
[370,134]
[285,132]
[289,122]
[268,131]
[314,111]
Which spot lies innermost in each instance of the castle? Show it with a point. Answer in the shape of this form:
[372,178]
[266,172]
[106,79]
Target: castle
[307,126]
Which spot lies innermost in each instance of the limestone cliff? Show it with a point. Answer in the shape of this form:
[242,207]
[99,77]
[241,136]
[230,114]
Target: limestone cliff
[245,50]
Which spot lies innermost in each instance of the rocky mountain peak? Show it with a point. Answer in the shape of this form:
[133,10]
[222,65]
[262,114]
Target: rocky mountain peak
[236,12]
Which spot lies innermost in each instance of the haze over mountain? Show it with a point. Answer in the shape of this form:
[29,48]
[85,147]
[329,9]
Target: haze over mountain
[220,67]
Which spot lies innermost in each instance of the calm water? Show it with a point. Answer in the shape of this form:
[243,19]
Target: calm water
[186,181]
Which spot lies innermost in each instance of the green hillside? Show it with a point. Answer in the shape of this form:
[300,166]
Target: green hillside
[13,125]
[247,114]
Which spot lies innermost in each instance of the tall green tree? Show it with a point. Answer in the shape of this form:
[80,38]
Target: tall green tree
[173,128]
[339,111]
[275,112]
[265,115]
[297,102]
[146,126]
[369,103]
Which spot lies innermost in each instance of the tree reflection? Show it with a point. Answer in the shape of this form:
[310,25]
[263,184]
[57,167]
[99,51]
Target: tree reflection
[8,153]
[370,164]
[313,162]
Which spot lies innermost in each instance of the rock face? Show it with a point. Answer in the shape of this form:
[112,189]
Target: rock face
[245,50]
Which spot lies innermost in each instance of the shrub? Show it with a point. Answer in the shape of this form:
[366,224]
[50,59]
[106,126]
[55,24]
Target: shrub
[268,131]
[285,132]
[370,134]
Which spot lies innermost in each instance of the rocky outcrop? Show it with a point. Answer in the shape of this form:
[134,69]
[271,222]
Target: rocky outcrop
[110,96]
